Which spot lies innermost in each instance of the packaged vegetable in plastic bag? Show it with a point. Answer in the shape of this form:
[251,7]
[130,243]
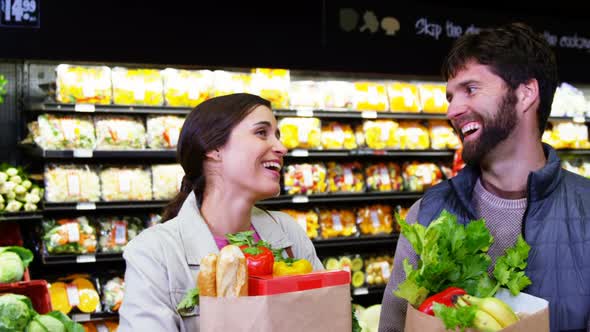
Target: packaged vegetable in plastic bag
[119,132]
[308,220]
[116,232]
[126,184]
[112,294]
[166,180]
[187,88]
[71,183]
[69,236]
[337,222]
[63,132]
[83,84]
[375,219]
[163,131]
[345,177]
[137,86]
[304,133]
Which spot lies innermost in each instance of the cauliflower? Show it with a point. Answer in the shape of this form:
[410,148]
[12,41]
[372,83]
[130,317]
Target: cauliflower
[3,177]
[27,184]
[12,171]
[13,206]
[16,179]
[20,190]
[30,207]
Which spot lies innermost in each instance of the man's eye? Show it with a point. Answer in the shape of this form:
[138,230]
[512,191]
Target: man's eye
[470,89]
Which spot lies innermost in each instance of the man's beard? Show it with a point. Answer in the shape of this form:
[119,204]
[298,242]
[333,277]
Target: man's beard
[494,130]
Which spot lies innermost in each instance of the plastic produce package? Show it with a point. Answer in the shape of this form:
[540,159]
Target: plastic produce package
[338,136]
[370,96]
[76,292]
[308,220]
[375,219]
[415,136]
[83,84]
[421,176]
[272,85]
[71,183]
[112,294]
[433,97]
[116,232]
[63,132]
[166,180]
[69,236]
[163,131]
[226,82]
[305,94]
[345,177]
[382,134]
[337,95]
[187,88]
[403,97]
[119,133]
[302,133]
[305,179]
[337,222]
[126,184]
[442,136]
[137,86]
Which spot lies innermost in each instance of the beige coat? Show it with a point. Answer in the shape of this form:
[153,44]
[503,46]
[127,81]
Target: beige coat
[163,261]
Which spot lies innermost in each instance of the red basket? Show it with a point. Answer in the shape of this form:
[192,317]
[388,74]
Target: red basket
[10,236]
[36,290]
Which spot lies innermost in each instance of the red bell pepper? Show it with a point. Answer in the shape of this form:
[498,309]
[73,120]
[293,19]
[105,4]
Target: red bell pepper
[445,297]
[260,260]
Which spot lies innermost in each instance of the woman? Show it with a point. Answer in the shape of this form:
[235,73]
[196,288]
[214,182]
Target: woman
[230,151]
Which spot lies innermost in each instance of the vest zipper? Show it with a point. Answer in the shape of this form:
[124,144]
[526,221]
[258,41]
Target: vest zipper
[528,204]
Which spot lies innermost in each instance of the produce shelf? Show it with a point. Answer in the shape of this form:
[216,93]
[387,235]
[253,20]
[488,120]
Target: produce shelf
[302,153]
[581,152]
[37,152]
[112,109]
[359,241]
[21,216]
[341,197]
[359,114]
[104,206]
[373,290]
[97,316]
[80,259]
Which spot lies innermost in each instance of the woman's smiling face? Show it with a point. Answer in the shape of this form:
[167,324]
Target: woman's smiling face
[252,158]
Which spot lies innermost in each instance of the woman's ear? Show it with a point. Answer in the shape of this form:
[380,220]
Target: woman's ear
[214,155]
[527,95]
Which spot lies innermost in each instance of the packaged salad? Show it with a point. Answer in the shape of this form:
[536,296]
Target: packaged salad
[187,88]
[304,133]
[337,222]
[307,219]
[116,232]
[137,86]
[119,133]
[305,179]
[163,131]
[63,132]
[126,184]
[112,294]
[166,180]
[83,84]
[69,236]
[338,136]
[345,177]
[375,219]
[71,183]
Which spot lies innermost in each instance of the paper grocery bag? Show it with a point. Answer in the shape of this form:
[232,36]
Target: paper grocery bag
[535,309]
[321,309]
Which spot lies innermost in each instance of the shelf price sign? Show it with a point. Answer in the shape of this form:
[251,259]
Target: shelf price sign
[20,13]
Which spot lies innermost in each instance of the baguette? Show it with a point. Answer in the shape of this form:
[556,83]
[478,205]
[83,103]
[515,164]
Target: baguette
[232,273]
[206,281]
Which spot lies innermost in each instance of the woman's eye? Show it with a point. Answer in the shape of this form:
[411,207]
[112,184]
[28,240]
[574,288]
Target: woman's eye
[261,133]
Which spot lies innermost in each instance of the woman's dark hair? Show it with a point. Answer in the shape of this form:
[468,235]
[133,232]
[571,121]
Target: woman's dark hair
[205,129]
[514,52]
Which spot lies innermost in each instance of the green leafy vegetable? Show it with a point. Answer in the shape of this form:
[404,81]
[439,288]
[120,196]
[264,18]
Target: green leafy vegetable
[188,302]
[241,238]
[455,317]
[410,289]
[3,82]
[356,327]
[509,268]
[15,312]
[13,262]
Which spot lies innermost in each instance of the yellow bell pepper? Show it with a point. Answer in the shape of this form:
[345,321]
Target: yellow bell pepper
[291,267]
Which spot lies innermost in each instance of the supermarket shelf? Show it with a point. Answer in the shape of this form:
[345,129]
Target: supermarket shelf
[80,259]
[301,153]
[341,197]
[355,242]
[111,109]
[359,114]
[97,316]
[21,217]
[103,206]
[580,152]
[372,290]
[37,152]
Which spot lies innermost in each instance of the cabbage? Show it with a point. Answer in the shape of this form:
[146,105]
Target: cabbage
[15,312]
[54,321]
[13,262]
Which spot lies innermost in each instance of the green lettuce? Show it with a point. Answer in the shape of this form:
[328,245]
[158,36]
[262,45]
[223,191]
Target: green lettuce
[13,262]
[15,312]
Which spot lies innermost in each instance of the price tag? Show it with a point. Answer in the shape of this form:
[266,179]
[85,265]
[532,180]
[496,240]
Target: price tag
[348,178]
[302,221]
[361,291]
[85,108]
[20,14]
[375,219]
[385,270]
[408,97]
[86,206]
[307,176]
[81,317]
[120,232]
[303,132]
[369,114]
[139,90]
[85,259]
[304,112]
[385,131]
[82,153]
[300,153]
[73,231]
[384,174]
[336,223]
[300,199]
[100,327]
[73,296]
[73,185]
[125,182]
[173,134]
[579,119]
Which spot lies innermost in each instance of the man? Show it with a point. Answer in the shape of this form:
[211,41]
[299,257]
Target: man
[500,87]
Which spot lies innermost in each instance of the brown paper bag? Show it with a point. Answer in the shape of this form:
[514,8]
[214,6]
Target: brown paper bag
[537,319]
[320,309]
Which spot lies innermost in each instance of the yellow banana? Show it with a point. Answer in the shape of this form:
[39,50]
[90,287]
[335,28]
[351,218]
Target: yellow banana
[484,322]
[496,308]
